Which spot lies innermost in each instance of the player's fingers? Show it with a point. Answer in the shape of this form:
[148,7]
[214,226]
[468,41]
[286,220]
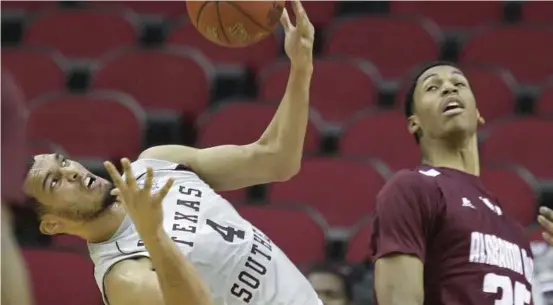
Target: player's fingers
[547,212]
[302,20]
[546,223]
[285,21]
[165,189]
[548,238]
[114,174]
[299,11]
[115,192]
[129,176]
[149,179]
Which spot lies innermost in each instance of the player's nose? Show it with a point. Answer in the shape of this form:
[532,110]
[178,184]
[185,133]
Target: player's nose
[70,174]
[449,88]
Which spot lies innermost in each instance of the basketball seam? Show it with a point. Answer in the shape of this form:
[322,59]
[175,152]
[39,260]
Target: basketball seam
[221,23]
[200,12]
[238,8]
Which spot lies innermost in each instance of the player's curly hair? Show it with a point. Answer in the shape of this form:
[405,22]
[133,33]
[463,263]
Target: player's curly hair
[409,101]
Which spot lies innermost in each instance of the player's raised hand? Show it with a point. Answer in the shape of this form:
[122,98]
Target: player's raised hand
[143,206]
[298,42]
[546,221]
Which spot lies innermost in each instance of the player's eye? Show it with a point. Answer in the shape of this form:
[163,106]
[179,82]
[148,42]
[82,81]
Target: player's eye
[460,84]
[431,88]
[64,162]
[54,182]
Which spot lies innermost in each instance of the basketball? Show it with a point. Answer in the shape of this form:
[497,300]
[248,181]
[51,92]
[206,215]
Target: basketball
[235,23]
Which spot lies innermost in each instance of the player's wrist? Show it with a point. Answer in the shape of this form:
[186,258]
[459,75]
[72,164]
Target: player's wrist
[152,235]
[302,69]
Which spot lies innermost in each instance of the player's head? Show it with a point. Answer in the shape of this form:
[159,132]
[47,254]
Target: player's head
[440,103]
[332,285]
[65,193]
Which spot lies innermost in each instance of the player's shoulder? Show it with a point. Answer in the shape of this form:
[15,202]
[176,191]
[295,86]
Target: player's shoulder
[418,178]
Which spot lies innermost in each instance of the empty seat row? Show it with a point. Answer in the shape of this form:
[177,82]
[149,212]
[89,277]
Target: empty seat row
[182,80]
[385,39]
[460,15]
[106,124]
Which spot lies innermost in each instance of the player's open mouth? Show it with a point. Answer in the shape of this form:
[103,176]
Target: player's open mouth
[90,182]
[453,105]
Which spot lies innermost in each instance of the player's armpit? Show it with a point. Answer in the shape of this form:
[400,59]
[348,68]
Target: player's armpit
[229,167]
[132,282]
[399,280]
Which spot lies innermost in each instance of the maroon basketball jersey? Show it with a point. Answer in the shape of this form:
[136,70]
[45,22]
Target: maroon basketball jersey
[473,253]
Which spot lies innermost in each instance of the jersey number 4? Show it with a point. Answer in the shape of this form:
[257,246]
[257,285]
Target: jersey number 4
[228,233]
[517,295]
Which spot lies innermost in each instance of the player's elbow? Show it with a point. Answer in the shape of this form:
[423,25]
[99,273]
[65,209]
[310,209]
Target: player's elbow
[278,164]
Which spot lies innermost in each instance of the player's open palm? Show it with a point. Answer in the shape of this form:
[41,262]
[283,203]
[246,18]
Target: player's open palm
[143,206]
[298,41]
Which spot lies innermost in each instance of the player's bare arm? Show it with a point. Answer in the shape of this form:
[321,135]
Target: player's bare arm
[546,221]
[174,281]
[276,155]
[399,280]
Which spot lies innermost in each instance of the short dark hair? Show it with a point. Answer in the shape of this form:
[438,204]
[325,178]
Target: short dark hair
[339,272]
[409,101]
[30,201]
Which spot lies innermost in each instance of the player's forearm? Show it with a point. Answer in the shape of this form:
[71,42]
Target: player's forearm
[178,280]
[285,134]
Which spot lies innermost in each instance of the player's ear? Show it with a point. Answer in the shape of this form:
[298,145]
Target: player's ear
[49,225]
[413,125]
[479,118]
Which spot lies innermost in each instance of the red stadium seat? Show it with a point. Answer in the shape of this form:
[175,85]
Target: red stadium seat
[253,57]
[96,125]
[359,244]
[524,50]
[36,71]
[452,14]
[42,146]
[525,141]
[61,277]
[28,6]
[63,30]
[514,188]
[544,104]
[537,11]
[393,44]
[168,9]
[243,123]
[173,79]
[342,190]
[69,242]
[494,90]
[335,98]
[321,13]
[282,226]
[371,134]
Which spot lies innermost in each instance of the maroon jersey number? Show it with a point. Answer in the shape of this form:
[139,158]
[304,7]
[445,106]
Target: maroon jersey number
[511,295]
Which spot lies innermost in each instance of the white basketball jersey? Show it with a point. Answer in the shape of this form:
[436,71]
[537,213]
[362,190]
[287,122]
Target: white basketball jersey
[239,264]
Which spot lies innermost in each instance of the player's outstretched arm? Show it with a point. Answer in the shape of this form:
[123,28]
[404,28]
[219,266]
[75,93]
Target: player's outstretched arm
[276,155]
[546,221]
[174,281]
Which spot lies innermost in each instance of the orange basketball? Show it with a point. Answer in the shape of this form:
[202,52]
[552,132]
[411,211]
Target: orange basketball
[235,23]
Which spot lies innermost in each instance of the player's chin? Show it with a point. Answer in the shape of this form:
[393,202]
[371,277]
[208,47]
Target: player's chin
[458,128]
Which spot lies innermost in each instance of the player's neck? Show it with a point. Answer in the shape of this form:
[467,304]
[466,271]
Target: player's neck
[460,156]
[102,228]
